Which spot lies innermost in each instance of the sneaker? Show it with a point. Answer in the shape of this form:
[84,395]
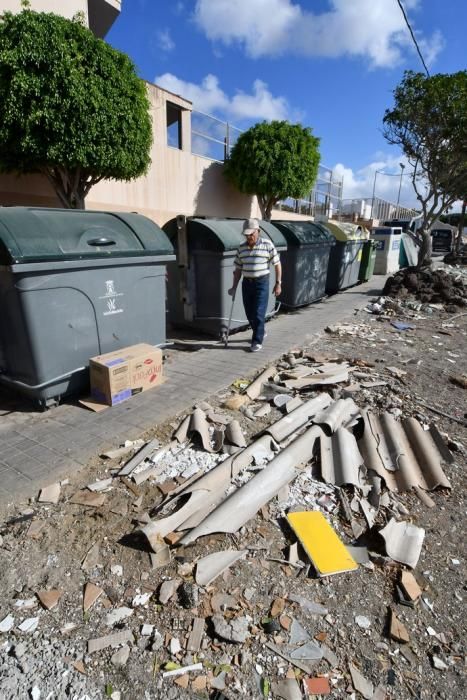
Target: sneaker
[256,347]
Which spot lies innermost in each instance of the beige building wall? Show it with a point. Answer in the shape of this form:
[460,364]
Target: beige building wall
[99,14]
[177,182]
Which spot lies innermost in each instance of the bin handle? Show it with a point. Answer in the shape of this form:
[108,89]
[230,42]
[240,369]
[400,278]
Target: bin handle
[100,241]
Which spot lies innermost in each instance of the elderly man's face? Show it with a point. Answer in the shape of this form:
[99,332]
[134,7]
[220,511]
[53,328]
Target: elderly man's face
[252,238]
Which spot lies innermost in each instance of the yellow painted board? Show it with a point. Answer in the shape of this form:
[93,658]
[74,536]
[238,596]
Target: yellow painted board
[321,543]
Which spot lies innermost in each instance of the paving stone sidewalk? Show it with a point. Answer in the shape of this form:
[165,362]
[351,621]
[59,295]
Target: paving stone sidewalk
[38,448]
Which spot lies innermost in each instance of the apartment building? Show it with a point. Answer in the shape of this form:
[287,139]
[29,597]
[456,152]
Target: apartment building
[100,14]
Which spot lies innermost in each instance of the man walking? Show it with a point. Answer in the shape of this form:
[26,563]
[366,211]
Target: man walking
[252,262]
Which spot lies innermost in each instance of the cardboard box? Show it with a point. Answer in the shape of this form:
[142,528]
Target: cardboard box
[118,375]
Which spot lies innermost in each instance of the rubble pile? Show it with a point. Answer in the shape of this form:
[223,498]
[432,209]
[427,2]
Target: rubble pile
[429,286]
[273,546]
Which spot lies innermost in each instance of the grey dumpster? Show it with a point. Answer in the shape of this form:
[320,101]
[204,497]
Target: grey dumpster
[305,262]
[198,282]
[346,256]
[75,284]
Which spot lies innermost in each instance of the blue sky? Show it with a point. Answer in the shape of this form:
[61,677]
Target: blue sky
[330,64]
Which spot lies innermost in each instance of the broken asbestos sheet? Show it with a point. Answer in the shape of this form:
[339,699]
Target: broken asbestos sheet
[326,551]
[297,418]
[197,425]
[205,493]
[404,541]
[340,458]
[342,412]
[254,389]
[402,453]
[244,503]
[210,567]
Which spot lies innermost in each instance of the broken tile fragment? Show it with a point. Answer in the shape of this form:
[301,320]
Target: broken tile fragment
[311,651]
[410,585]
[403,541]
[50,494]
[196,635]
[110,640]
[88,498]
[168,590]
[91,594]
[7,623]
[397,630]
[199,683]
[287,689]
[100,485]
[317,686]
[120,657]
[182,681]
[298,634]
[360,683]
[80,667]
[277,607]
[49,599]
[118,615]
[308,605]
[235,630]
[91,560]
[210,567]
[29,625]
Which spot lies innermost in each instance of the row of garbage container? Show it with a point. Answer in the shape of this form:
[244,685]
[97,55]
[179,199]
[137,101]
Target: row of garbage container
[76,284]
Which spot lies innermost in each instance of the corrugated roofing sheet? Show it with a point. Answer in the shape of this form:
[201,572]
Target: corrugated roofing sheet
[402,453]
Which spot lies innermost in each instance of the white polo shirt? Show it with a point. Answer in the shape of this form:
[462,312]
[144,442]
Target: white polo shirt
[254,262]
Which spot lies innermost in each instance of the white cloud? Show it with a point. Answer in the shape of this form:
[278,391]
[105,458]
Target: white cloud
[358,184]
[209,97]
[164,40]
[373,29]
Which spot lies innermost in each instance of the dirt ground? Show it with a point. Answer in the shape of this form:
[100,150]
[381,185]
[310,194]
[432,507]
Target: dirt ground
[43,547]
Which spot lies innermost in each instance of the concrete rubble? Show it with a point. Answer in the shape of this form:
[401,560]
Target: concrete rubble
[189,577]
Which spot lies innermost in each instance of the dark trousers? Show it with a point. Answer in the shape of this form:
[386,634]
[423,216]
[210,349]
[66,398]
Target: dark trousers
[255,293]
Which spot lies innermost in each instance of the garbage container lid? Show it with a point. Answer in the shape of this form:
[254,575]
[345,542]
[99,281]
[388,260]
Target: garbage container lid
[30,234]
[221,235]
[346,231]
[302,233]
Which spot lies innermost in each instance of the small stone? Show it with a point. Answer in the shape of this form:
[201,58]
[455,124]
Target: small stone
[146,630]
[19,650]
[218,682]
[188,595]
[35,693]
[175,646]
[121,656]
[141,599]
[397,630]
[116,570]
[363,622]
[439,664]
[168,589]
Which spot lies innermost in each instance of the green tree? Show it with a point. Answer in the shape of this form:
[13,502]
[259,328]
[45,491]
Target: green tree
[273,161]
[429,122]
[71,106]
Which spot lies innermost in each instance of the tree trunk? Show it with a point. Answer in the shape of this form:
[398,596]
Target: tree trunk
[460,230]
[424,254]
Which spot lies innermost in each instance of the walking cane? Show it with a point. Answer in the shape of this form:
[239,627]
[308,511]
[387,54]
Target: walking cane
[227,333]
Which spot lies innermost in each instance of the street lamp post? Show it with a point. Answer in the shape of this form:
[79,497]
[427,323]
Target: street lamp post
[402,166]
[373,195]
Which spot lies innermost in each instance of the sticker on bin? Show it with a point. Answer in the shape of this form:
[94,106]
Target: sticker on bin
[380,245]
[396,244]
[110,298]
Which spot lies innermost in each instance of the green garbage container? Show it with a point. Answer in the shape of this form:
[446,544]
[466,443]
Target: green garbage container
[367,264]
[346,255]
[199,279]
[75,284]
[305,262]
